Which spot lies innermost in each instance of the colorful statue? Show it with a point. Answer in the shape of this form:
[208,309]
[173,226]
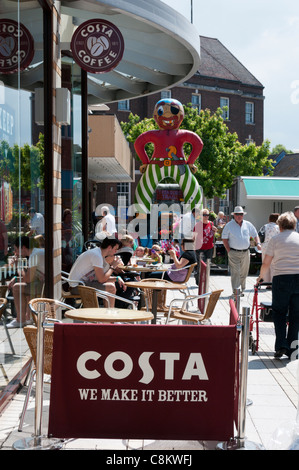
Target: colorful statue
[168,159]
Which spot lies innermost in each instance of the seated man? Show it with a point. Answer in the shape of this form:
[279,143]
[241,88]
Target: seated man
[92,268]
[29,285]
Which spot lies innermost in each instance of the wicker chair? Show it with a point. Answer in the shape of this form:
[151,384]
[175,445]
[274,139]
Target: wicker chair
[30,333]
[188,275]
[52,307]
[3,291]
[148,294]
[197,317]
[90,297]
[66,294]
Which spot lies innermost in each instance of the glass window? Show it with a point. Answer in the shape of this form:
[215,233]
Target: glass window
[224,104]
[123,105]
[196,101]
[22,176]
[71,169]
[166,94]
[249,113]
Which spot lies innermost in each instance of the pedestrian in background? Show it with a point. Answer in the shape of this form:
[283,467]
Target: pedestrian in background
[283,254]
[236,236]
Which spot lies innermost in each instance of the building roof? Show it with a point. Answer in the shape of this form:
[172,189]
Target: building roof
[218,62]
[287,166]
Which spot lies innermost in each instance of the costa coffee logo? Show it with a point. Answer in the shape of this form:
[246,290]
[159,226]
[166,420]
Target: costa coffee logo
[16,46]
[97,46]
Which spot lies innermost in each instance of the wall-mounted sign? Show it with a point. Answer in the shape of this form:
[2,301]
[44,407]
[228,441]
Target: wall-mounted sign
[97,46]
[16,46]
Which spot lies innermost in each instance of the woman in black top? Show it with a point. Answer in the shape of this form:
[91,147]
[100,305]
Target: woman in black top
[187,257]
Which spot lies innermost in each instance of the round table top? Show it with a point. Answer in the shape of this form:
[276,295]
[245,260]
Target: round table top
[147,268]
[108,315]
[156,284]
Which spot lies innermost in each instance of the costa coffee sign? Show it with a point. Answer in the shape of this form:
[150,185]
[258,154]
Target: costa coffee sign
[143,381]
[97,46]
[16,46]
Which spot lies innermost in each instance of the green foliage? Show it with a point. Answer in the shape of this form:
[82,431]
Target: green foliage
[23,166]
[223,157]
[279,148]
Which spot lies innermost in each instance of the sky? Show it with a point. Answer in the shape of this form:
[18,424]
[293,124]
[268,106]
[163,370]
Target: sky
[264,36]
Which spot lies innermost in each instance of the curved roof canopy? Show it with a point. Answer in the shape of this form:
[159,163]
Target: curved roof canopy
[161,47]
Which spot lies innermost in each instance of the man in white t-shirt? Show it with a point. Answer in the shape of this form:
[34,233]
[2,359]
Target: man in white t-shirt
[95,268]
[107,223]
[37,222]
[31,279]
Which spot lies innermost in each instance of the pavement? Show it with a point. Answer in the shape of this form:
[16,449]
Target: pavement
[271,421]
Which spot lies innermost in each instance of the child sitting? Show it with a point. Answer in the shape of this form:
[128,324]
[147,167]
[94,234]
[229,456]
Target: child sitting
[155,254]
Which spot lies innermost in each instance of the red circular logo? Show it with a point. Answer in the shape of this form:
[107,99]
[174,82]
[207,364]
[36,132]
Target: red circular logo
[97,46]
[16,46]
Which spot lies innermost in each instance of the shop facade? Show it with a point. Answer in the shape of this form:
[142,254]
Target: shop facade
[46,96]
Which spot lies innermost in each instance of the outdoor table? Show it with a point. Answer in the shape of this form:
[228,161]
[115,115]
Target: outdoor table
[146,269]
[108,315]
[156,286]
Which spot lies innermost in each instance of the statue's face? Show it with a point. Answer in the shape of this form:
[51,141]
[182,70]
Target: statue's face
[168,114]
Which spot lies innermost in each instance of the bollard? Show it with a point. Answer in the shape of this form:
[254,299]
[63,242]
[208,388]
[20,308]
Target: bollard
[237,298]
[240,443]
[39,442]
[39,373]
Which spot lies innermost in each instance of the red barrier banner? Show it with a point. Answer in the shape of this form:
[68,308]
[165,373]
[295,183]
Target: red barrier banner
[234,316]
[143,382]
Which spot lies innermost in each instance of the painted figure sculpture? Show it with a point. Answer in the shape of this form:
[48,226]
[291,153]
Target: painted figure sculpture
[168,159]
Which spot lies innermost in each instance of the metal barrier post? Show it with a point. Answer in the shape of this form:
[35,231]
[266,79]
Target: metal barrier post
[208,262]
[240,443]
[39,372]
[237,298]
[39,442]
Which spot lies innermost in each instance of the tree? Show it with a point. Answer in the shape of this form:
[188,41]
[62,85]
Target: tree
[23,166]
[223,157]
[280,148]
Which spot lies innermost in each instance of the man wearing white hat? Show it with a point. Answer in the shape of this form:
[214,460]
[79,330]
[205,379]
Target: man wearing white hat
[236,240]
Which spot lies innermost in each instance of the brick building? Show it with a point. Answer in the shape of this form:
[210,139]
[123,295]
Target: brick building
[221,81]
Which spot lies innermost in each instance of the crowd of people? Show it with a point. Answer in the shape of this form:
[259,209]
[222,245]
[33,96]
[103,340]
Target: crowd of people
[102,267]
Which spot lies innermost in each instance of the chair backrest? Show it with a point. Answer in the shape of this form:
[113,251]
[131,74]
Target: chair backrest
[3,291]
[88,296]
[148,294]
[214,297]
[65,287]
[30,333]
[3,303]
[51,307]
[190,270]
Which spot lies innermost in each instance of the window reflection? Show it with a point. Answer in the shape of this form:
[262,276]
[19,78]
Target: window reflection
[21,164]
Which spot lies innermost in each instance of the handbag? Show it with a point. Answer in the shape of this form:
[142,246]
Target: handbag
[262,234]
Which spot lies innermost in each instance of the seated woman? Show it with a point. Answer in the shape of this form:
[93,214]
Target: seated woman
[176,273]
[126,251]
